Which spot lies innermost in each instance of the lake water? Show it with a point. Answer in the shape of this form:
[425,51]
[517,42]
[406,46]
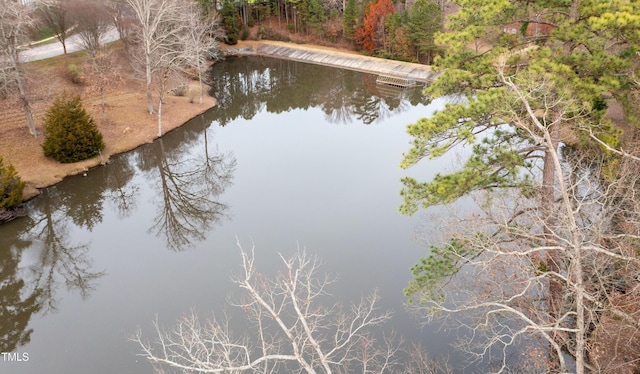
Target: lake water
[295,156]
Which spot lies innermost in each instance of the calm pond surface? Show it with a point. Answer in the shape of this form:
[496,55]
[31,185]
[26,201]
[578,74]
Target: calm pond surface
[296,155]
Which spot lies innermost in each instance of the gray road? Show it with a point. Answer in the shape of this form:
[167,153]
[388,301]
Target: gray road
[55,47]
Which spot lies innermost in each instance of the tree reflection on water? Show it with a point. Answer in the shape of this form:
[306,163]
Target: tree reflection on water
[17,302]
[57,260]
[48,251]
[244,86]
[190,188]
[189,184]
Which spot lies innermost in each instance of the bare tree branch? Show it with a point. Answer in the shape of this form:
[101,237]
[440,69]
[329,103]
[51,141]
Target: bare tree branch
[15,24]
[296,322]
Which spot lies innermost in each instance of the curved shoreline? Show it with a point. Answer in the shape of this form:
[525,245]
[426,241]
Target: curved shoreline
[39,172]
[120,136]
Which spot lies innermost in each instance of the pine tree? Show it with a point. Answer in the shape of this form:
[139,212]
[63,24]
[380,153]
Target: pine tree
[312,15]
[425,19]
[71,134]
[532,80]
[230,22]
[11,186]
[349,19]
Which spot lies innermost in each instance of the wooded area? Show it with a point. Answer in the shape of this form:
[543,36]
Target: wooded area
[400,30]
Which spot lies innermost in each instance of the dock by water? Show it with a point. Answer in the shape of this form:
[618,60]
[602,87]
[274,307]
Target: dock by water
[393,70]
[394,81]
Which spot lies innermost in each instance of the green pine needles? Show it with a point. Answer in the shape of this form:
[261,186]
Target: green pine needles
[71,134]
[442,263]
[11,187]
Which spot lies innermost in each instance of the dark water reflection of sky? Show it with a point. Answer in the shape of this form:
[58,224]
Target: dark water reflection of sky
[155,231]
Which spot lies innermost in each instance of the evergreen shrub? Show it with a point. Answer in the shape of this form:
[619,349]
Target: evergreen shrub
[11,187]
[71,134]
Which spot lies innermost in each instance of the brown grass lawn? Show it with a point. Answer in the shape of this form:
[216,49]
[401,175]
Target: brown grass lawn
[127,123]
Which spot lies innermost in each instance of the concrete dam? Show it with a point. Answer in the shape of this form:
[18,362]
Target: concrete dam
[402,73]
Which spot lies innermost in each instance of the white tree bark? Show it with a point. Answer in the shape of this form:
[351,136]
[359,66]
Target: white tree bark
[296,322]
[160,24]
[202,36]
[173,36]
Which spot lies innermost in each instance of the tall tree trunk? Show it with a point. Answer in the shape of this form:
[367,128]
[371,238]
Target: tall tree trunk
[279,14]
[199,69]
[576,269]
[201,85]
[28,115]
[160,118]
[103,104]
[149,93]
[548,196]
[286,13]
[163,82]
[578,275]
[22,96]
[549,219]
[295,19]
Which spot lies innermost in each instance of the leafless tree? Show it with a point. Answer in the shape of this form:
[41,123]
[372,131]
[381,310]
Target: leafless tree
[201,39]
[92,22]
[160,23]
[60,260]
[55,14]
[102,75]
[18,303]
[293,326]
[122,16]
[15,23]
[169,63]
[171,37]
